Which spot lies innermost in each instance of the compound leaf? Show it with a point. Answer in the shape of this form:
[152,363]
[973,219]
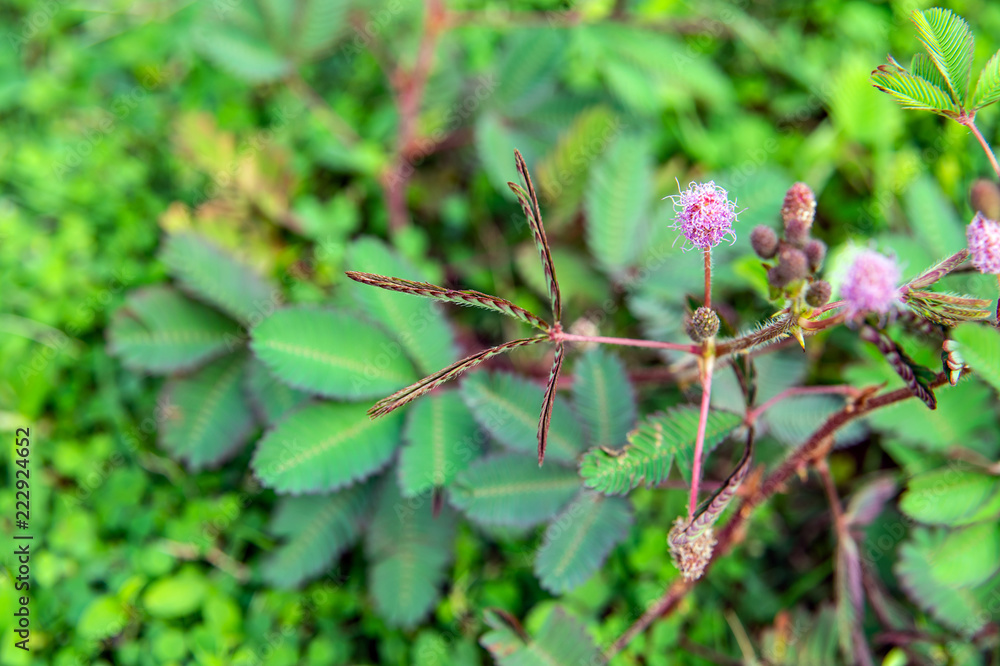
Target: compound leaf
[579,539]
[948,41]
[316,530]
[659,441]
[988,86]
[324,447]
[207,417]
[441,439]
[603,397]
[511,489]
[158,330]
[330,353]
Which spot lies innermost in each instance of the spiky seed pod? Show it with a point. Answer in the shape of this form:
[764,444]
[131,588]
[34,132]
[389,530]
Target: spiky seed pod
[702,324]
[815,252]
[985,198]
[764,241]
[690,556]
[798,212]
[795,263]
[818,293]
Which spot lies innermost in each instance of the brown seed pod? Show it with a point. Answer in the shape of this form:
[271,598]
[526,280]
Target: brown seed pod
[815,252]
[818,293]
[764,241]
[702,324]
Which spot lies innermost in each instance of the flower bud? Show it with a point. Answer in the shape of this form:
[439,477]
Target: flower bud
[798,212]
[702,324]
[764,241]
[985,198]
[984,244]
[818,293]
[815,252]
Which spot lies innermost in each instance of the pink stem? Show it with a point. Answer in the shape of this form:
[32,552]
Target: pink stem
[828,307]
[708,278]
[971,124]
[626,342]
[699,442]
[842,389]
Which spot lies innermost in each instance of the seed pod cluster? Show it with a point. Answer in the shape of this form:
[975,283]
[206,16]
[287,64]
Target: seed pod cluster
[796,256]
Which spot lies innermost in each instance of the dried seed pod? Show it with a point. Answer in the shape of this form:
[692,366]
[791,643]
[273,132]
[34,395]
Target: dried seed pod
[690,556]
[764,241]
[815,252]
[818,293]
[702,324]
[984,195]
[798,212]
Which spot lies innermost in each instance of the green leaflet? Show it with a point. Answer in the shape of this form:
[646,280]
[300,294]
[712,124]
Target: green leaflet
[323,447]
[617,203]
[216,277]
[988,86]
[511,489]
[561,640]
[912,92]
[330,353]
[920,570]
[317,529]
[441,439]
[948,41]
[953,495]
[603,398]
[417,325]
[579,539]
[507,406]
[980,347]
[658,441]
[158,330]
[206,417]
[271,398]
[408,551]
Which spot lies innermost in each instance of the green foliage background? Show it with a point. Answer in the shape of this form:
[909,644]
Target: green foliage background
[195,169]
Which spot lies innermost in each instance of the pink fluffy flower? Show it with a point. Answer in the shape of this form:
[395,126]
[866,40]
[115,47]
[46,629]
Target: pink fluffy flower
[984,243]
[871,284]
[705,215]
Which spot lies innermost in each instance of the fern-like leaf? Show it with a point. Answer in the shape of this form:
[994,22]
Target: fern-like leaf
[158,330]
[948,41]
[324,447]
[988,86]
[330,353]
[910,91]
[506,405]
[604,398]
[529,204]
[465,297]
[579,539]
[207,418]
[561,640]
[616,203]
[423,333]
[211,274]
[441,439]
[659,441]
[510,489]
[952,497]
[548,400]
[414,391]
[408,550]
[316,529]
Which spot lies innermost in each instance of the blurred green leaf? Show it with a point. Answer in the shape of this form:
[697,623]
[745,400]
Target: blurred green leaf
[603,398]
[442,438]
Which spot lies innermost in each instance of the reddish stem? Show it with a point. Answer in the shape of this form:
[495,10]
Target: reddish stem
[699,442]
[626,342]
[841,389]
[708,278]
[970,122]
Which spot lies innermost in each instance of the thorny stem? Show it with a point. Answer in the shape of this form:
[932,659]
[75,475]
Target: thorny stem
[733,532]
[699,442]
[842,389]
[557,336]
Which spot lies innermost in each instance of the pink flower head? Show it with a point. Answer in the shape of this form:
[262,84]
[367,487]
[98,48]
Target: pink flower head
[984,243]
[871,284]
[705,215]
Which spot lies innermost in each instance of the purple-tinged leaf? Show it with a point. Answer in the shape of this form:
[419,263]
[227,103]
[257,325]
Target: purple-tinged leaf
[458,297]
[548,400]
[903,366]
[529,203]
[937,271]
[414,391]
